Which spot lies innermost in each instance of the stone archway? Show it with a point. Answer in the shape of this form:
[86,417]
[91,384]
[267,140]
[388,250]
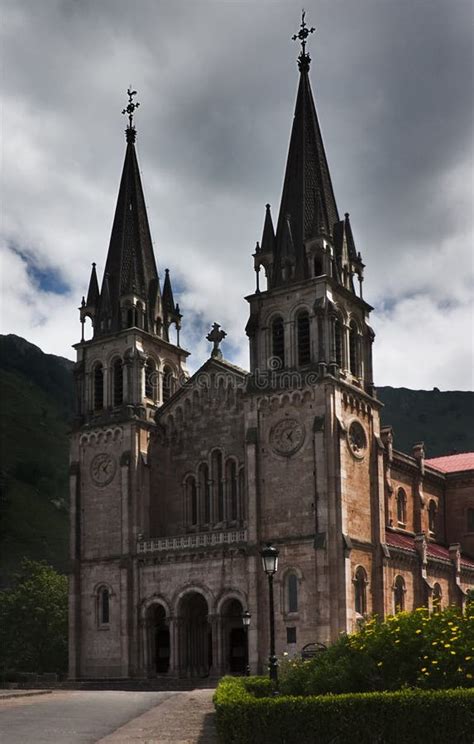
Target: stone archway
[195,636]
[158,640]
[233,637]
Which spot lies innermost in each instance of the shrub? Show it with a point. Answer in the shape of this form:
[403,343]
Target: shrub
[410,649]
[404,717]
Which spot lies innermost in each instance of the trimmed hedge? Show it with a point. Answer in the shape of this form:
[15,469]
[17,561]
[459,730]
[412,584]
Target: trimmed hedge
[403,717]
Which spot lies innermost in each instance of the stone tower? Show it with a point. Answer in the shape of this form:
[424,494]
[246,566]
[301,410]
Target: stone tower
[312,398]
[126,370]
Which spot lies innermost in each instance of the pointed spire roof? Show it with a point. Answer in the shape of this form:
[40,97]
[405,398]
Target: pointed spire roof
[308,197]
[130,265]
[93,291]
[268,236]
[168,299]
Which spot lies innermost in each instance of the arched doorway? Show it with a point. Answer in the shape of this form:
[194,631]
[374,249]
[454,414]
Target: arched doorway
[233,637]
[195,636]
[158,640]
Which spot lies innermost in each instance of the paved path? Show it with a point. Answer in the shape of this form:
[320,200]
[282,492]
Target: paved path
[186,718]
[109,717]
[72,717]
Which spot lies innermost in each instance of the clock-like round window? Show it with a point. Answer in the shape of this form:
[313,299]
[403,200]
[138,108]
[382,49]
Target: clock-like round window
[103,468]
[357,439]
[287,436]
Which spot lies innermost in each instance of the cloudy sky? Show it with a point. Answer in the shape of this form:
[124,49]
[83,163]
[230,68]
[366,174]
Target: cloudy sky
[217,82]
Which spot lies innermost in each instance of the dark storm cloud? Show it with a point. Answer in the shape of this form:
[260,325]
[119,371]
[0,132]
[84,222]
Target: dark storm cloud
[217,83]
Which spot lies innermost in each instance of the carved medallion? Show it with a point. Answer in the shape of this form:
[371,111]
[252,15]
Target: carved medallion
[103,468]
[357,439]
[287,436]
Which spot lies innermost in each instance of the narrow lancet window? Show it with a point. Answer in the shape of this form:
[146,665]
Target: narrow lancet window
[167,384]
[292,589]
[98,387]
[304,339]
[278,341]
[117,375]
[150,379]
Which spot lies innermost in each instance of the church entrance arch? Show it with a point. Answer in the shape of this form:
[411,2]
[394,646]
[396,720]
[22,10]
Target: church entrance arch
[233,637]
[158,640]
[195,636]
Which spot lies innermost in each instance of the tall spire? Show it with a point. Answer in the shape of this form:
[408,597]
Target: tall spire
[130,269]
[308,205]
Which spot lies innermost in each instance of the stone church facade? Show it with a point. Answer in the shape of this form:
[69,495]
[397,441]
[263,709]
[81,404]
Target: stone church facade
[176,482]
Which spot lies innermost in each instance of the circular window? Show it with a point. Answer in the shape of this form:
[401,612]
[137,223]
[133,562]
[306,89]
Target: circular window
[357,439]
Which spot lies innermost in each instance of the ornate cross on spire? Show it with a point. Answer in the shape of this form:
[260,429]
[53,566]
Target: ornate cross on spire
[303,59]
[130,131]
[216,336]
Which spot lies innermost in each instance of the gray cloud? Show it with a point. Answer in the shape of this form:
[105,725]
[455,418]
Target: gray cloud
[217,82]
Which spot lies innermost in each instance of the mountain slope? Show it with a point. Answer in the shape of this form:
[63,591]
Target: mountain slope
[36,404]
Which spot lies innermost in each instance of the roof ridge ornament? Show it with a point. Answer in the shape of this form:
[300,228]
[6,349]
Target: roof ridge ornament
[130,131]
[302,35]
[216,336]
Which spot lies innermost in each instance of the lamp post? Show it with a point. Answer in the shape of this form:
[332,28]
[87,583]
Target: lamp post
[246,616]
[269,556]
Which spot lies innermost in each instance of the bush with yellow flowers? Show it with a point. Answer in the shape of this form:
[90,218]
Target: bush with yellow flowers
[410,649]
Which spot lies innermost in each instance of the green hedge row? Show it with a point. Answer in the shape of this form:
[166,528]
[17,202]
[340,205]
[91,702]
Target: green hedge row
[404,717]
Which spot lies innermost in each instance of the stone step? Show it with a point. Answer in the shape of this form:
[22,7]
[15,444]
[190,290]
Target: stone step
[159,684]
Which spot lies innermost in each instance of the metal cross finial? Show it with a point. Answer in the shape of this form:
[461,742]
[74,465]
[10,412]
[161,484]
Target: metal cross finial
[131,106]
[302,35]
[216,336]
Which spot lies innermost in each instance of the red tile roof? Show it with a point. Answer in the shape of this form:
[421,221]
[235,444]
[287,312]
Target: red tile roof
[407,542]
[452,463]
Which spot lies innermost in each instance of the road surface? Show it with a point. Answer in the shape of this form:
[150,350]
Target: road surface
[72,717]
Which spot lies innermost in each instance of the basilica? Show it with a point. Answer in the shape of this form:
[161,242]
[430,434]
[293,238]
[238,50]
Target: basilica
[178,481]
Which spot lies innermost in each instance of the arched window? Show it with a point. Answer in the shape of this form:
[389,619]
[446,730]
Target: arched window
[338,342]
[353,350]
[167,384]
[139,315]
[98,387]
[218,484]
[191,493]
[401,507]
[278,341]
[205,491]
[360,591]
[318,266]
[117,382]
[304,340]
[242,494]
[470,520]
[150,379]
[130,317]
[292,592]
[399,594]
[103,606]
[432,516]
[232,486]
[437,598]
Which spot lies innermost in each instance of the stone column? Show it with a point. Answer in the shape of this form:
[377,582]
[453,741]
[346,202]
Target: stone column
[214,622]
[74,596]
[173,625]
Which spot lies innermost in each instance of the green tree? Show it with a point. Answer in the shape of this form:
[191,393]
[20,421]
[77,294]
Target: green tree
[33,620]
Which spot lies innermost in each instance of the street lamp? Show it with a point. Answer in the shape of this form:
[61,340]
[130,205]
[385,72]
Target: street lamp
[269,556]
[246,617]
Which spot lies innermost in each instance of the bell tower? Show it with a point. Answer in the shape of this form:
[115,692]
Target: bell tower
[128,368]
[312,397]
[311,312]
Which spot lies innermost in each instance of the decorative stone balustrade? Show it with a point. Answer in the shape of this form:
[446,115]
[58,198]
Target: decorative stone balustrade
[200,540]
